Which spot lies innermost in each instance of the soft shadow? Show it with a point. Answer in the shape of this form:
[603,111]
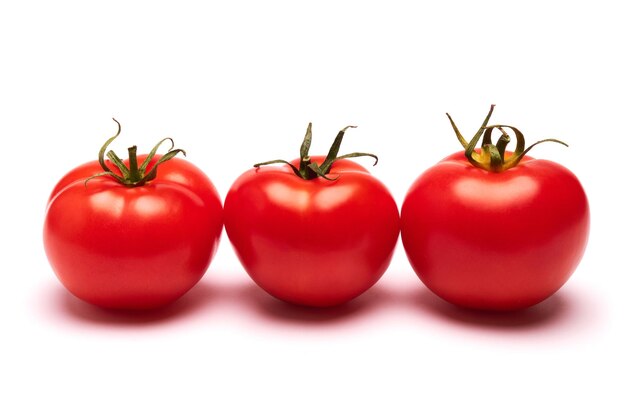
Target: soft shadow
[272,309]
[63,303]
[555,309]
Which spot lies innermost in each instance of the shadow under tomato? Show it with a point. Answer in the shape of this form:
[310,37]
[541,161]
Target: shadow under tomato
[555,309]
[65,303]
[273,309]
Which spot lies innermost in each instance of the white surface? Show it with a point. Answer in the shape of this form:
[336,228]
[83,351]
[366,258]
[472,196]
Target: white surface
[236,84]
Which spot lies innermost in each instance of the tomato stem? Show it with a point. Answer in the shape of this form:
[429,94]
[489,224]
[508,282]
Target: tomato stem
[492,157]
[308,170]
[133,175]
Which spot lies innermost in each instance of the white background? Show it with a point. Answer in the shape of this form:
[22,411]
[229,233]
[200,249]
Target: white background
[236,84]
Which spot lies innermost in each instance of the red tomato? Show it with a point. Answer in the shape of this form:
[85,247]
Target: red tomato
[495,240]
[132,247]
[315,242]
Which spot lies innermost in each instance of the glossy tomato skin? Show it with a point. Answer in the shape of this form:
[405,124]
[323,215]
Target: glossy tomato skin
[495,241]
[312,242]
[132,248]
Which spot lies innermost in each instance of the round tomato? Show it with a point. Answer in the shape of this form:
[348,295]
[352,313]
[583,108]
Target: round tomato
[499,231]
[318,235]
[130,246]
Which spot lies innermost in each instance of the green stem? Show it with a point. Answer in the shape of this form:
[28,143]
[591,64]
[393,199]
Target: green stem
[502,143]
[308,170]
[494,157]
[133,175]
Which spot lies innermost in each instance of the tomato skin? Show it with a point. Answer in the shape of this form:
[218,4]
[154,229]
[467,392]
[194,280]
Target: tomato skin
[132,248]
[312,242]
[495,241]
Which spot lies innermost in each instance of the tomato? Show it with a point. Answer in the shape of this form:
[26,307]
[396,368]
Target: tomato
[132,246]
[318,241]
[492,232]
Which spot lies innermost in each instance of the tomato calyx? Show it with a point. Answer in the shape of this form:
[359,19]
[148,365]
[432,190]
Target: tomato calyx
[308,170]
[494,158]
[133,175]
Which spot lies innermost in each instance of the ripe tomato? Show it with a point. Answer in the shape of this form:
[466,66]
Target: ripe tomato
[495,235]
[319,241]
[132,247]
